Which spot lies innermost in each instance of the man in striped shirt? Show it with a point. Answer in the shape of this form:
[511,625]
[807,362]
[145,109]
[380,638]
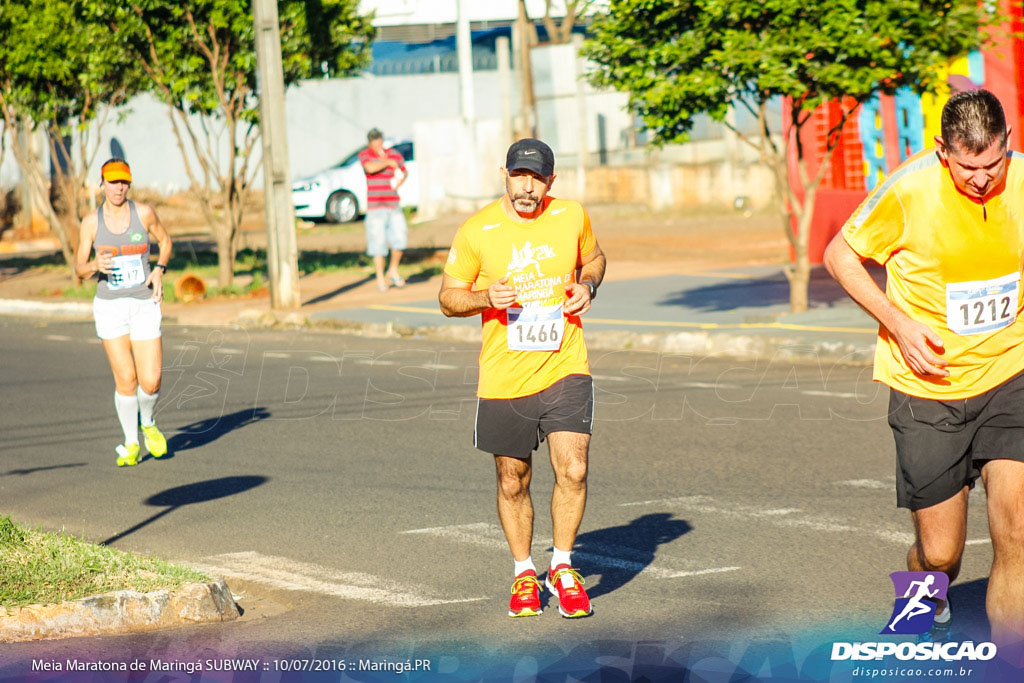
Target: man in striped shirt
[385,222]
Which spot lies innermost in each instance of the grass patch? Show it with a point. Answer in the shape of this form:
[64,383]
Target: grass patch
[47,568]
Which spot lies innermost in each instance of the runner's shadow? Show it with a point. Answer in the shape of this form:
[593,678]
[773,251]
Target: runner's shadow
[619,553]
[189,494]
[969,616]
[206,431]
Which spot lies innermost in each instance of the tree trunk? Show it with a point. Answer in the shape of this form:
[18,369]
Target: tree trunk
[799,273]
[225,255]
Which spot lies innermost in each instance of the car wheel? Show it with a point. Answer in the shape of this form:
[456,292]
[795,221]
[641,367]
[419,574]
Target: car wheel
[342,207]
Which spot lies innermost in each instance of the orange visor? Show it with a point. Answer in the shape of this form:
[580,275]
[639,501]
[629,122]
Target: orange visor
[115,171]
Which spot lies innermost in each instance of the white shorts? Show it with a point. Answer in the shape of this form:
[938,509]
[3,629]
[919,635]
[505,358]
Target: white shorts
[138,318]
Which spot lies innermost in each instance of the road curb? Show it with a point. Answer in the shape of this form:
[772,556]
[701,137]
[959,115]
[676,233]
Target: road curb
[121,612]
[699,343]
[702,343]
[54,309]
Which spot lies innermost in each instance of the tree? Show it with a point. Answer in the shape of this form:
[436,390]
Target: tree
[200,58]
[681,58]
[561,32]
[62,72]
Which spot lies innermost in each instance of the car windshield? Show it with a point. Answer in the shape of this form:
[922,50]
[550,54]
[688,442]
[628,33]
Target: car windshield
[350,159]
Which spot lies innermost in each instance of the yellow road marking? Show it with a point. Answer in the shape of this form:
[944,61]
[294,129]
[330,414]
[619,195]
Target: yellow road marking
[665,323]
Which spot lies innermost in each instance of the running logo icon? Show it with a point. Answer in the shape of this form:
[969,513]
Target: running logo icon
[916,593]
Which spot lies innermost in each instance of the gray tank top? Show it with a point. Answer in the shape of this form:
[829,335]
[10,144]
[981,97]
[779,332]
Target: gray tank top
[131,258]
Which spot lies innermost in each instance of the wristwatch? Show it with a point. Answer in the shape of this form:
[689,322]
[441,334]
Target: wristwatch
[593,289]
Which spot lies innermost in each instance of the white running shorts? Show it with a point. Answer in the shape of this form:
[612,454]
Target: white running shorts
[138,318]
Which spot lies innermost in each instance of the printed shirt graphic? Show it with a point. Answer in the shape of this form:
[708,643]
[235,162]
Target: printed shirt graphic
[952,265]
[914,609]
[379,193]
[540,259]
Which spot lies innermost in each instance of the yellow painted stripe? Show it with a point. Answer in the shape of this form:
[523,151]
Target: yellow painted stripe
[665,323]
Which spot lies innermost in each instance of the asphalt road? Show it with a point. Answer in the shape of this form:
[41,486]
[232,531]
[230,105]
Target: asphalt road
[332,481]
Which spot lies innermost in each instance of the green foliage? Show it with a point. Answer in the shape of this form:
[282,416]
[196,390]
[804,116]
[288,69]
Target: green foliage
[58,65]
[679,58]
[201,53]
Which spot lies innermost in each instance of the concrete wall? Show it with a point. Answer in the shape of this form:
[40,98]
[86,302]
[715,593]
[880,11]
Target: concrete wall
[328,119]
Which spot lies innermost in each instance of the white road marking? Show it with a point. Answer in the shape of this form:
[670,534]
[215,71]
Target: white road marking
[490,536]
[609,378]
[58,337]
[276,354]
[869,483]
[300,576]
[439,366]
[370,361]
[836,394]
[710,385]
[978,541]
[783,517]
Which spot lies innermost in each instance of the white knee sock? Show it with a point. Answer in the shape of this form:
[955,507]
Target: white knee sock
[147,402]
[127,408]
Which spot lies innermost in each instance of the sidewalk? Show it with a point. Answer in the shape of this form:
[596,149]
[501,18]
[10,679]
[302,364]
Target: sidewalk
[672,286]
[741,312]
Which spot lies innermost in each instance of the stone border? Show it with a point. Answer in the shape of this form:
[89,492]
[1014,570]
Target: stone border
[121,612]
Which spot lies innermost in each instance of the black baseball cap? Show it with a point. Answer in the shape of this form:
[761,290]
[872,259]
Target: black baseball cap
[530,154]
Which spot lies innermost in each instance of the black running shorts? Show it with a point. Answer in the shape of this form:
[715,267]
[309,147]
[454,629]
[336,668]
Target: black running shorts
[941,446]
[516,426]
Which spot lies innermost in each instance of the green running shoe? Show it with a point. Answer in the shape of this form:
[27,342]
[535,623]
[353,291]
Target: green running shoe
[156,444]
[127,454]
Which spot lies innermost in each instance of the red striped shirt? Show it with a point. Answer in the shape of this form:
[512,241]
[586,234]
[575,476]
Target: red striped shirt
[379,193]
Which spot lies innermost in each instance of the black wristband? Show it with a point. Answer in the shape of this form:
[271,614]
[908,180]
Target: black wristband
[161,267]
[593,289]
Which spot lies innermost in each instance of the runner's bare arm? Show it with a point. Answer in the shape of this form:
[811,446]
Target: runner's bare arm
[916,340]
[157,231]
[84,268]
[458,300]
[591,270]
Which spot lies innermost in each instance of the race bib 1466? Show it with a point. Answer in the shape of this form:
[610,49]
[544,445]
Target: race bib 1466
[536,328]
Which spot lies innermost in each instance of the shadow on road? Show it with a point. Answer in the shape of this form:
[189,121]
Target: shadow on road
[969,616]
[769,290]
[205,431]
[633,545]
[190,494]
[33,470]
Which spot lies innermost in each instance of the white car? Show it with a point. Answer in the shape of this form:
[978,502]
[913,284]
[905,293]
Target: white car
[338,194]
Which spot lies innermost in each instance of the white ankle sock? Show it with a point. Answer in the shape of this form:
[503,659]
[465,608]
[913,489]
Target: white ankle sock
[944,616]
[523,565]
[147,402]
[560,557]
[127,408]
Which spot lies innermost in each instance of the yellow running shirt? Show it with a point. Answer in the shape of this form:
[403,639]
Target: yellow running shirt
[952,264]
[541,345]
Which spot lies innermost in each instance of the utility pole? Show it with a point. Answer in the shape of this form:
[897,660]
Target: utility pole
[282,251]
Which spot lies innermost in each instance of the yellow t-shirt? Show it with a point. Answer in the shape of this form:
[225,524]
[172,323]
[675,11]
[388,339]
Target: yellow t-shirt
[952,264]
[540,258]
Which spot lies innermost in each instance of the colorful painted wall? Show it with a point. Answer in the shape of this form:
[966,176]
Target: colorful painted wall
[888,130]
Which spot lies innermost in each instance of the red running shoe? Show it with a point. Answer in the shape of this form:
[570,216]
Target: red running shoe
[572,600]
[525,601]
